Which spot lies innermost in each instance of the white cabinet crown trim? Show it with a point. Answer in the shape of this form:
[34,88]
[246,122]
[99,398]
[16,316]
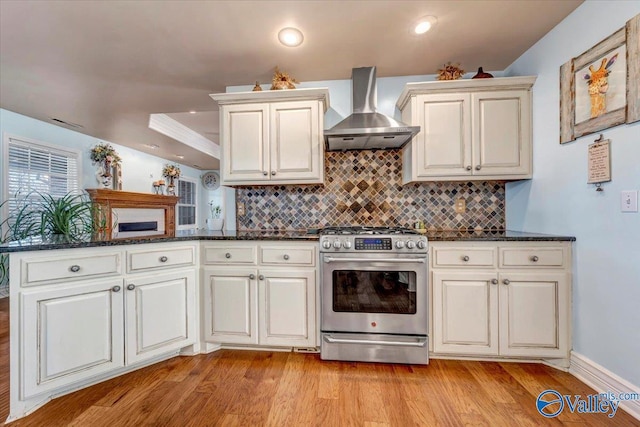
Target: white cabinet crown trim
[320,94]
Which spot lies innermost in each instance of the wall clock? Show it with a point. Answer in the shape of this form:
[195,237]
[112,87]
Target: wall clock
[211,180]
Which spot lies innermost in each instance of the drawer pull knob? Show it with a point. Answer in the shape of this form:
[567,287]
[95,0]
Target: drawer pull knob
[478,167]
[163,259]
[286,257]
[227,255]
[465,258]
[261,277]
[273,172]
[252,276]
[74,268]
[534,258]
[468,168]
[116,289]
[494,281]
[506,281]
[264,173]
[131,286]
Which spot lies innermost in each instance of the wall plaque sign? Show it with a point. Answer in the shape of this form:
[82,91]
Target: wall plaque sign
[599,161]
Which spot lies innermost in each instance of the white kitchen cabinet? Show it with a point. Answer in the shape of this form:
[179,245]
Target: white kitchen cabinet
[470,129]
[160,313]
[271,303]
[69,333]
[521,309]
[272,137]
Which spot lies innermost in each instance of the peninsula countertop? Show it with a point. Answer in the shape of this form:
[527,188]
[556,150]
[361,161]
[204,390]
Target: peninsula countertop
[61,242]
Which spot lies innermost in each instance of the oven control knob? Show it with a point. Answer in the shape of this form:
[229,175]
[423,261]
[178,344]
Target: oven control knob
[347,244]
[411,244]
[399,244]
[337,244]
[326,244]
[421,244]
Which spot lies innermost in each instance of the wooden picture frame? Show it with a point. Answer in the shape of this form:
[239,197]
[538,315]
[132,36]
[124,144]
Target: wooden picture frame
[588,104]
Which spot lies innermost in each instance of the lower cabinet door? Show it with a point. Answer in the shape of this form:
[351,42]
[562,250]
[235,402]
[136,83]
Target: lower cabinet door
[287,307]
[231,305]
[160,314]
[69,334]
[465,313]
[534,314]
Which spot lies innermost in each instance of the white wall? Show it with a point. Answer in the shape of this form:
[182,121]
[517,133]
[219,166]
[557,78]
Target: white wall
[606,292]
[139,169]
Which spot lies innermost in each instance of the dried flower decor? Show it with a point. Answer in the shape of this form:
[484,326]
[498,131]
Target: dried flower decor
[282,81]
[105,152]
[450,72]
[171,171]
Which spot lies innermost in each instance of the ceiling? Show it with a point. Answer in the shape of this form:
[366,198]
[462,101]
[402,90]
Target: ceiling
[108,65]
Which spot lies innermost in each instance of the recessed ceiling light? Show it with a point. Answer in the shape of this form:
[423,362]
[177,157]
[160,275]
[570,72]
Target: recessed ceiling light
[424,24]
[180,156]
[152,146]
[192,112]
[290,37]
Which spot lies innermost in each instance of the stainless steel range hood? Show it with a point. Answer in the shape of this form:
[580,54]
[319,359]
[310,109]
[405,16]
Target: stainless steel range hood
[365,129]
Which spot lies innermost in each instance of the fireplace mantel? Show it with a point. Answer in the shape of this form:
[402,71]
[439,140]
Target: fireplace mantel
[110,199]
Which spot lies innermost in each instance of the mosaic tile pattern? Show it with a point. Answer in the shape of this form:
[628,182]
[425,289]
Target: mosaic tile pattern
[365,188]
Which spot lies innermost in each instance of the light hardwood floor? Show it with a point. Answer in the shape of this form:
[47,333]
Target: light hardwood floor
[252,388]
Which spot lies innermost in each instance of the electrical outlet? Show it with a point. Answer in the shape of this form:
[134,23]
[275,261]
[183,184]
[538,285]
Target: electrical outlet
[629,201]
[240,209]
[460,206]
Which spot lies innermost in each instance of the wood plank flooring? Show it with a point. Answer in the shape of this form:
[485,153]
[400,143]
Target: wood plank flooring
[256,388]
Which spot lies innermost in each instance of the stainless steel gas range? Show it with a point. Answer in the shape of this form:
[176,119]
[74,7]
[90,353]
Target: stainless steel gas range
[374,295]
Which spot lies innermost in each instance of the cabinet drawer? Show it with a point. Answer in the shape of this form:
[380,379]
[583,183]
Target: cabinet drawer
[148,260]
[287,256]
[531,257]
[460,257]
[36,271]
[231,255]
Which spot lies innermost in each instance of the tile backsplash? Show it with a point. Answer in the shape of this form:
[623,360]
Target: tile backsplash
[365,188]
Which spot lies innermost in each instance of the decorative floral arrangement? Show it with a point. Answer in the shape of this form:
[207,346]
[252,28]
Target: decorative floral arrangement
[171,171]
[450,72]
[216,210]
[282,81]
[105,152]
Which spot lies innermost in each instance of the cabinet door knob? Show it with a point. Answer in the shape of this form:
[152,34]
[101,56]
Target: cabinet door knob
[227,255]
[163,259]
[261,277]
[252,276]
[535,258]
[286,256]
[74,268]
[273,172]
[264,173]
[494,281]
[465,258]
[468,168]
[506,281]
[478,167]
[116,289]
[131,286]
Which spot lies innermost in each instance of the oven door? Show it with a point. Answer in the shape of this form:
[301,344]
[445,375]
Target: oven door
[374,293]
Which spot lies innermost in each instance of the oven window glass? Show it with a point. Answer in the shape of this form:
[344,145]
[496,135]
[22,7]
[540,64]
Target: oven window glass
[357,291]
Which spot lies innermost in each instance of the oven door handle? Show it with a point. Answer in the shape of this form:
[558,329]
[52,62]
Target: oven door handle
[375,342]
[398,260]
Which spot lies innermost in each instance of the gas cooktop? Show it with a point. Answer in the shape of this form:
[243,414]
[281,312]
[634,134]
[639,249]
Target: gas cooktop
[331,231]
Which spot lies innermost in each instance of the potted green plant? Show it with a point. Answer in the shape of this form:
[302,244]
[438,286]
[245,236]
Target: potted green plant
[215,222]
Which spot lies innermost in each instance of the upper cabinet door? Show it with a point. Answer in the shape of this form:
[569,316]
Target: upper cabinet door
[501,133]
[296,142]
[245,137]
[444,143]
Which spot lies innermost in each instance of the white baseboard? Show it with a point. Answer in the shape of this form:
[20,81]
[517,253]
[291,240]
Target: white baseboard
[603,380]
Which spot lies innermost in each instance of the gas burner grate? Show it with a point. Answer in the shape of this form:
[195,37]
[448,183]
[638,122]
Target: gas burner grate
[365,230]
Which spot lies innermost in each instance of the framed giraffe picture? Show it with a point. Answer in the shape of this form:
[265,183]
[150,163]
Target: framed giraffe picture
[601,88]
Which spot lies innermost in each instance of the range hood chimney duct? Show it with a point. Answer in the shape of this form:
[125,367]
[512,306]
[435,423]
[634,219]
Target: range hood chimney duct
[366,129]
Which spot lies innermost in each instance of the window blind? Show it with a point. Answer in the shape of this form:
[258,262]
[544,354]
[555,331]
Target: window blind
[186,204]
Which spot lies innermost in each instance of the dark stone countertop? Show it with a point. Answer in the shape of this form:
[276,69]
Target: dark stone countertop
[56,242]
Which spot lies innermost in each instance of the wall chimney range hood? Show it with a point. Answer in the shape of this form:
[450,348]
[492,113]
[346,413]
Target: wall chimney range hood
[365,129]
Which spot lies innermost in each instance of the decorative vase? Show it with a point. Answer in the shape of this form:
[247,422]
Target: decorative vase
[215,224]
[171,188]
[482,75]
[280,85]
